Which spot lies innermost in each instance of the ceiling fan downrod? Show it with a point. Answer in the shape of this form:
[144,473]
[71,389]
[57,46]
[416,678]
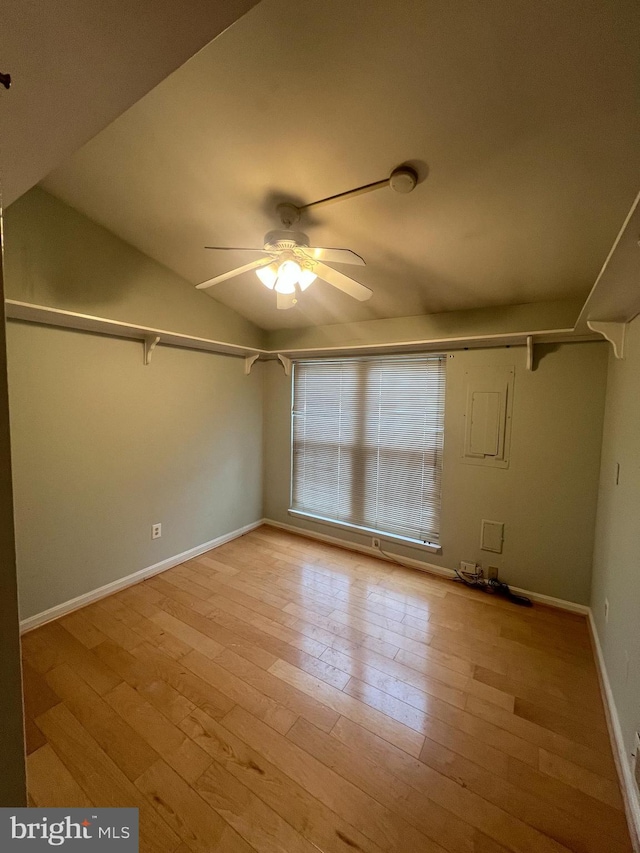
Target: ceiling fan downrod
[403,179]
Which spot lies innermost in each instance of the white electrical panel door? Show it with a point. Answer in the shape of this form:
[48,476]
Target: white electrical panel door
[484,423]
[487,417]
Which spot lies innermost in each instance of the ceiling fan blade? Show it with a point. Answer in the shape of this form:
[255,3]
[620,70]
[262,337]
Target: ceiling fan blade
[343,282]
[234,249]
[285,300]
[334,256]
[261,262]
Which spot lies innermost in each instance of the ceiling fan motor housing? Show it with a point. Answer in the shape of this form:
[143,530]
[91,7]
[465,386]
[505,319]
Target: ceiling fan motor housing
[278,241]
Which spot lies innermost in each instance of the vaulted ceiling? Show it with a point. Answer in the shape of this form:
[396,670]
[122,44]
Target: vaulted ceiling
[522,119]
[78,64]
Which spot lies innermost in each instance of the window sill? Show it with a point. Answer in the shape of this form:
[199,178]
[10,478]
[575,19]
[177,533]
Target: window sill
[431,547]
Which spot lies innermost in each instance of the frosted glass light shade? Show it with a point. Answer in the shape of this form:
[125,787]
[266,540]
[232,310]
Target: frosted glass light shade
[284,277]
[307,277]
[288,275]
[289,272]
[283,286]
[268,275]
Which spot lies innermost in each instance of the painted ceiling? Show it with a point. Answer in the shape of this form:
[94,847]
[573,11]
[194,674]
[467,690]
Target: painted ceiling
[521,118]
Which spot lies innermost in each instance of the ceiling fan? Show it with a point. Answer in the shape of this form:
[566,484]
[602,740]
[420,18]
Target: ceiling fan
[288,265]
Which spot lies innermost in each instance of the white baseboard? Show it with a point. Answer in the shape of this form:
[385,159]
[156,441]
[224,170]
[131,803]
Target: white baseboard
[429,568]
[108,589]
[362,549]
[627,782]
[550,601]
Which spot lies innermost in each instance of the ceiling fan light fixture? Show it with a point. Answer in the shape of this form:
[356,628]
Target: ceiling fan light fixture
[288,276]
[283,286]
[285,276]
[307,277]
[268,275]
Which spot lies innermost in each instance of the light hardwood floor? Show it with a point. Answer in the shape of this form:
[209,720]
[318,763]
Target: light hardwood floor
[282,695]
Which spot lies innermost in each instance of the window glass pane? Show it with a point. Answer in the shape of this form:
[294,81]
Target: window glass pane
[367,442]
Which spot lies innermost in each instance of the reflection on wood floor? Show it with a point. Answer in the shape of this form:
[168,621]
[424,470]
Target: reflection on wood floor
[277,694]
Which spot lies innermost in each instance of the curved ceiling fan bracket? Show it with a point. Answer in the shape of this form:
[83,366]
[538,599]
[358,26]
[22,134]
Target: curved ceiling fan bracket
[289,214]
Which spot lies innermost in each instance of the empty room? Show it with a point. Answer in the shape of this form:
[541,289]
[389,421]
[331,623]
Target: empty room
[320,426]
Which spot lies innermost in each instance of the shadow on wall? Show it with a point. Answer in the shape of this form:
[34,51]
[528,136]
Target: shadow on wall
[83,263]
[541,351]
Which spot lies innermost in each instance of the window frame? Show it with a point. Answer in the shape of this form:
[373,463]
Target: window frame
[429,546]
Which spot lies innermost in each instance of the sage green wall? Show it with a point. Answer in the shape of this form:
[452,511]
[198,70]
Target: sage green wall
[539,316]
[105,446]
[546,497]
[57,257]
[616,567]
[13,789]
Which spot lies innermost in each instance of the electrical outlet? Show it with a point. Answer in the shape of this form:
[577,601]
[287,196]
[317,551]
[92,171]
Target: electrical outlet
[492,572]
[156,531]
[375,543]
[606,610]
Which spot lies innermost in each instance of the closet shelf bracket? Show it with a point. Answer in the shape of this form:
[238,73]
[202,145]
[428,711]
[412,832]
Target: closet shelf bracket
[248,362]
[615,333]
[530,352]
[286,363]
[150,343]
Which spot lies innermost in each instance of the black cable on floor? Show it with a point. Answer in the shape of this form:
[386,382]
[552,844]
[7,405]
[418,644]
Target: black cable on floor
[492,586]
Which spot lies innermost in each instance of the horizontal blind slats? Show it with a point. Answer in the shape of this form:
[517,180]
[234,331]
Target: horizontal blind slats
[367,442]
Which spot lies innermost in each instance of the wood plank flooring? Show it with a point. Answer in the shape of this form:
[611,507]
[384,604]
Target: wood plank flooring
[280,695]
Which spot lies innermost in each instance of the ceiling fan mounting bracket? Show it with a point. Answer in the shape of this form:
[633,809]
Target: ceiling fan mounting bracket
[403,179]
[289,214]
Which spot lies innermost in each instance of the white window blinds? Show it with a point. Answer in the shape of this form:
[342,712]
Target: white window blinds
[367,443]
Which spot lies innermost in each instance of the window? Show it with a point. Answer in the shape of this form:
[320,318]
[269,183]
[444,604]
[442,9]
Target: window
[367,443]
